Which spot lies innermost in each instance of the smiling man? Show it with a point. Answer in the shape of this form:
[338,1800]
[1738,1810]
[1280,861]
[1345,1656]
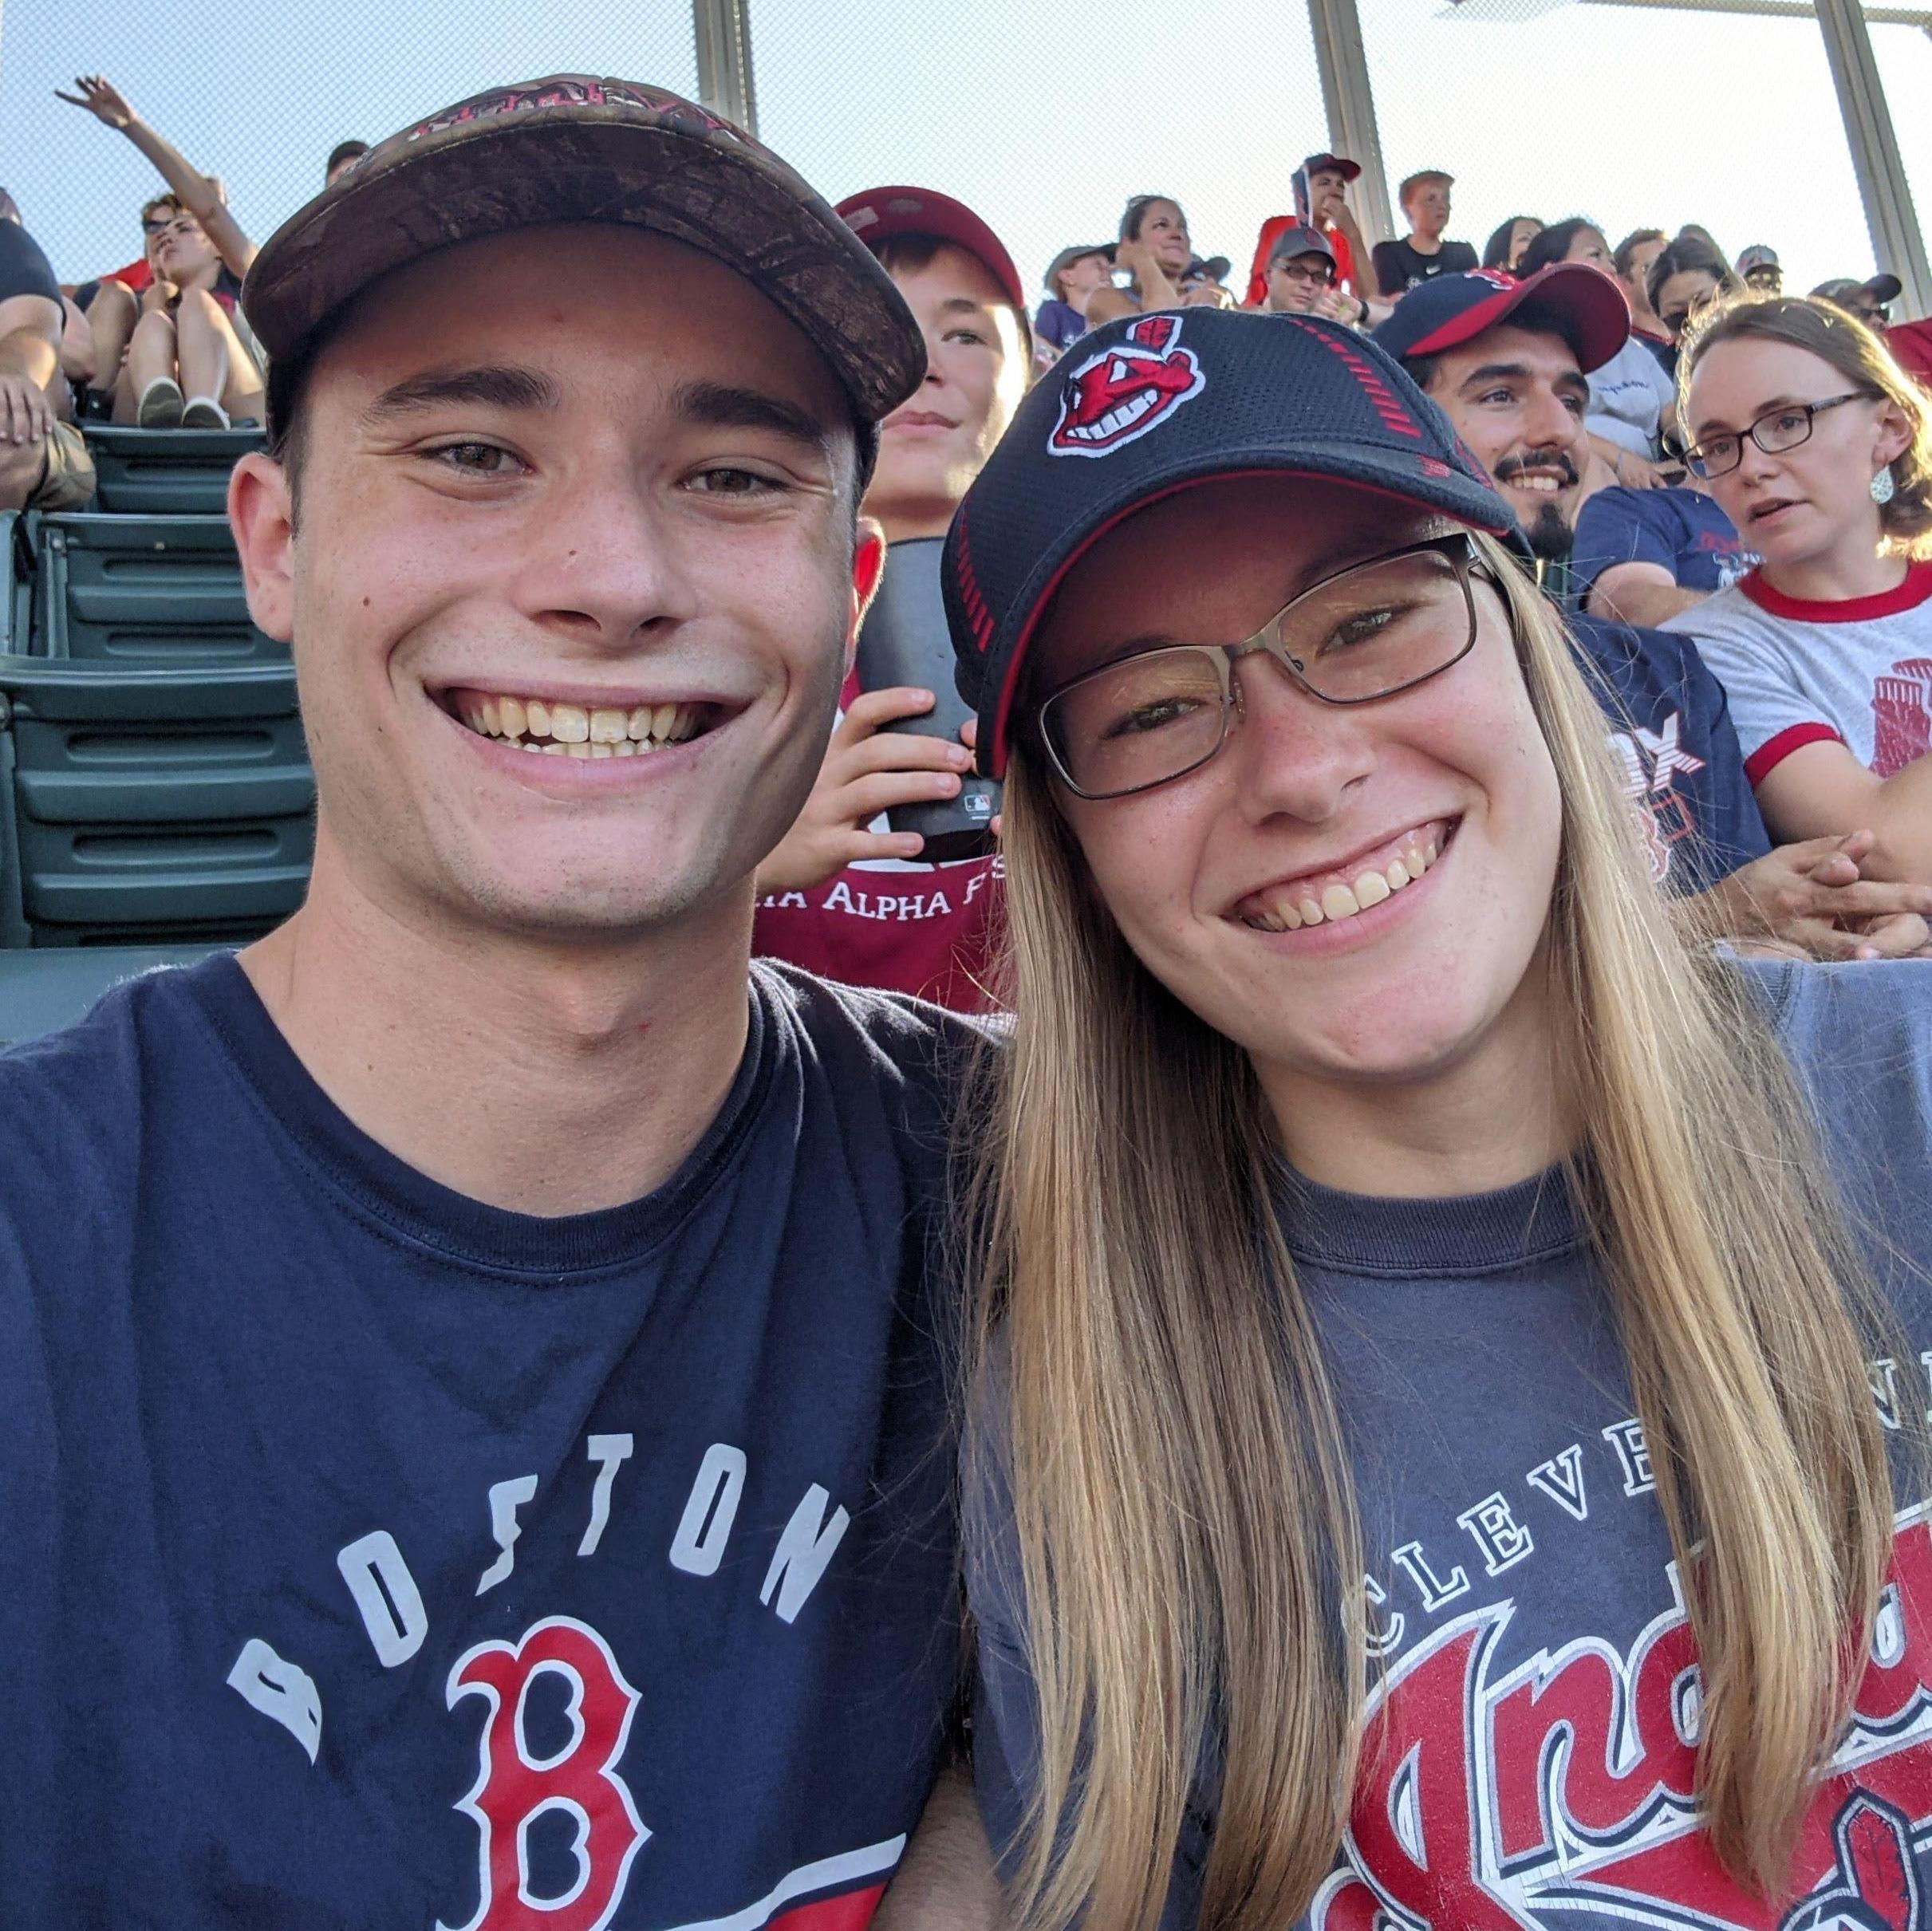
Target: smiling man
[471,1442]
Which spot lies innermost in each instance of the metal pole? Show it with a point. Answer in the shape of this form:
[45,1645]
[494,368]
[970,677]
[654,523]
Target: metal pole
[721,30]
[1350,105]
[1896,239]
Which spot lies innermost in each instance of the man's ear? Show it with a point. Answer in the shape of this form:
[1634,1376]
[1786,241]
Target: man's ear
[867,566]
[261,514]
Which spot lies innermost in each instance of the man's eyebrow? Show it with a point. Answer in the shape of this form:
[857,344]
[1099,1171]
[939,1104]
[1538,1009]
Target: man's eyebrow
[495,386]
[1491,372]
[720,405]
[965,304]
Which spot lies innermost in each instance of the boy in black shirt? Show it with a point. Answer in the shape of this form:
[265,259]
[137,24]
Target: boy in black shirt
[1422,254]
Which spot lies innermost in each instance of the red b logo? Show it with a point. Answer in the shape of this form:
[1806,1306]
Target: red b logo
[513,1789]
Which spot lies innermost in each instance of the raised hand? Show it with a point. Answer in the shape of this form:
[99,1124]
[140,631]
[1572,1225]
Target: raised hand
[101,99]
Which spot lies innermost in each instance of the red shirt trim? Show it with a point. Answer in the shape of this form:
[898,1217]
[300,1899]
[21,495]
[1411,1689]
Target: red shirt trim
[1773,751]
[1908,596]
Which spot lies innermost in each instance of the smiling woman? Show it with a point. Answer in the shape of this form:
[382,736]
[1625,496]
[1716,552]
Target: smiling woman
[1332,1223]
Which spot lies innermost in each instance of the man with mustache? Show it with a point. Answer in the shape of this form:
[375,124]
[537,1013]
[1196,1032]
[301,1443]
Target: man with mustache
[1507,362]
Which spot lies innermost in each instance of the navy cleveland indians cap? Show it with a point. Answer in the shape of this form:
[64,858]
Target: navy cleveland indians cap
[1453,310]
[1148,405]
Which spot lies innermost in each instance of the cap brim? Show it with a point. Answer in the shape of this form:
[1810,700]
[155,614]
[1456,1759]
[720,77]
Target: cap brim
[1598,309]
[873,218]
[1413,482]
[500,173]
[1884,288]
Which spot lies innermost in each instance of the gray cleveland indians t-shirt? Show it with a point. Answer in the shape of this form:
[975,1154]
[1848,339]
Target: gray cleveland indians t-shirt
[1535,1675]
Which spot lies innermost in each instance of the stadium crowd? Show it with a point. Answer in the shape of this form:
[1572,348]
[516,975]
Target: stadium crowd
[1639,492]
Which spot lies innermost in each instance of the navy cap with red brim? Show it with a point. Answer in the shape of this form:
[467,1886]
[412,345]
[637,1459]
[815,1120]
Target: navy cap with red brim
[1151,404]
[1452,309]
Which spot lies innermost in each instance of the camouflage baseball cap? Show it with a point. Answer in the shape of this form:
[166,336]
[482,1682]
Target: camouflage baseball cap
[575,147]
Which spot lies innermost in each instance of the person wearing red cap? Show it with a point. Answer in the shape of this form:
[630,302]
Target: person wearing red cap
[843,894]
[1321,194]
[474,1414]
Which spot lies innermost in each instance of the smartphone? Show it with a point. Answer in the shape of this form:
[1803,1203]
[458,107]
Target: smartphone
[1304,207]
[1123,278]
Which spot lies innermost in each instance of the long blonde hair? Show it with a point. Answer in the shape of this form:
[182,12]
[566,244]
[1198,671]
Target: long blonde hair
[1189,1547]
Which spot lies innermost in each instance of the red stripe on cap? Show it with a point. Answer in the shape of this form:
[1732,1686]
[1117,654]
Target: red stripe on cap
[1381,398]
[1773,751]
[976,612]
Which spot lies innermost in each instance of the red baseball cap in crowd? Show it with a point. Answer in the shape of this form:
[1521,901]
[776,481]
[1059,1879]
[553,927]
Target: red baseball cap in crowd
[881,214]
[1147,405]
[579,148]
[1324,163]
[1453,310]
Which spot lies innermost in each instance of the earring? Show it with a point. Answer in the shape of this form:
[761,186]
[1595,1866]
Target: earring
[1883,488]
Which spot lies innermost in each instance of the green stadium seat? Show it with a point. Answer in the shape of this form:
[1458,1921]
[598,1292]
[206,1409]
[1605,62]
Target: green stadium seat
[166,472]
[41,992]
[142,592]
[158,806]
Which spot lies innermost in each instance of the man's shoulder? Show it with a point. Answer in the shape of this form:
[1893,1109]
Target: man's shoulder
[887,1039]
[1625,652]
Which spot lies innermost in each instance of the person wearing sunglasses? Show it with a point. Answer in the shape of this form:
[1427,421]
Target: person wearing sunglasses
[1422,1466]
[1819,447]
[1871,301]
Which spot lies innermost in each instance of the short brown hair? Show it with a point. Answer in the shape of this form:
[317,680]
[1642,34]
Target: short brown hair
[160,201]
[1859,355]
[1410,183]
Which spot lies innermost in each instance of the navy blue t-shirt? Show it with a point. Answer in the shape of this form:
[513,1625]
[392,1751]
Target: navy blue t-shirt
[1058,322]
[373,1555]
[1683,771]
[1531,1757]
[1681,530]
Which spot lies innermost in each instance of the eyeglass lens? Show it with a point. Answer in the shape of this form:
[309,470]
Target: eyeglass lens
[1363,634]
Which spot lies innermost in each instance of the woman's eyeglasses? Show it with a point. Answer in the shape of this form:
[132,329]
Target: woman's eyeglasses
[1783,428]
[1364,634]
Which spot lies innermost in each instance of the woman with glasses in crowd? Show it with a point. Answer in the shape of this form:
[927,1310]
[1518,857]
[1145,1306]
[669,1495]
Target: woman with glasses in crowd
[1819,447]
[1423,1469]
[191,360]
[1153,252]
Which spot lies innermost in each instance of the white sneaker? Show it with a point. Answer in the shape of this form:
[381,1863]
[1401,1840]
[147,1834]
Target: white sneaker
[160,406]
[203,412]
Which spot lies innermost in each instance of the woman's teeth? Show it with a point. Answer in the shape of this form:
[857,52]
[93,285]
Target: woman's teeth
[1290,907]
[574,730]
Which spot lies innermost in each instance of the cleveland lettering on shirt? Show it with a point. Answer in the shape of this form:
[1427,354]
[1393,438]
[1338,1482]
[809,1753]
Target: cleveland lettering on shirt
[1798,672]
[377,1557]
[1531,1734]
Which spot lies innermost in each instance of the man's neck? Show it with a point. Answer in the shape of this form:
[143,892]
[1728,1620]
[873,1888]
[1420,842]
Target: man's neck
[1851,568]
[1496,1116]
[547,1078]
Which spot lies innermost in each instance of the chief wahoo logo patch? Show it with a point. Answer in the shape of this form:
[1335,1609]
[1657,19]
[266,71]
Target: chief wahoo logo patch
[1122,391]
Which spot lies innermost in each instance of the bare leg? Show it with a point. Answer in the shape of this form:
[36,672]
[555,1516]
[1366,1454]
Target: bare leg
[213,362]
[112,316]
[21,466]
[150,356]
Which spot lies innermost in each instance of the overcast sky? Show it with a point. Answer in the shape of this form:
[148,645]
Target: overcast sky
[1044,114]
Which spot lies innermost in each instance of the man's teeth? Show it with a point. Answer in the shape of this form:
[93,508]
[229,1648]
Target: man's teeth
[1544,485]
[574,731]
[1288,908]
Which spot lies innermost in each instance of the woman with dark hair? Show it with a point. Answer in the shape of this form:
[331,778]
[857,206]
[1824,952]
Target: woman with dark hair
[1425,1466]
[1155,249]
[1630,397]
[1682,279]
[1819,447]
[1504,248]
